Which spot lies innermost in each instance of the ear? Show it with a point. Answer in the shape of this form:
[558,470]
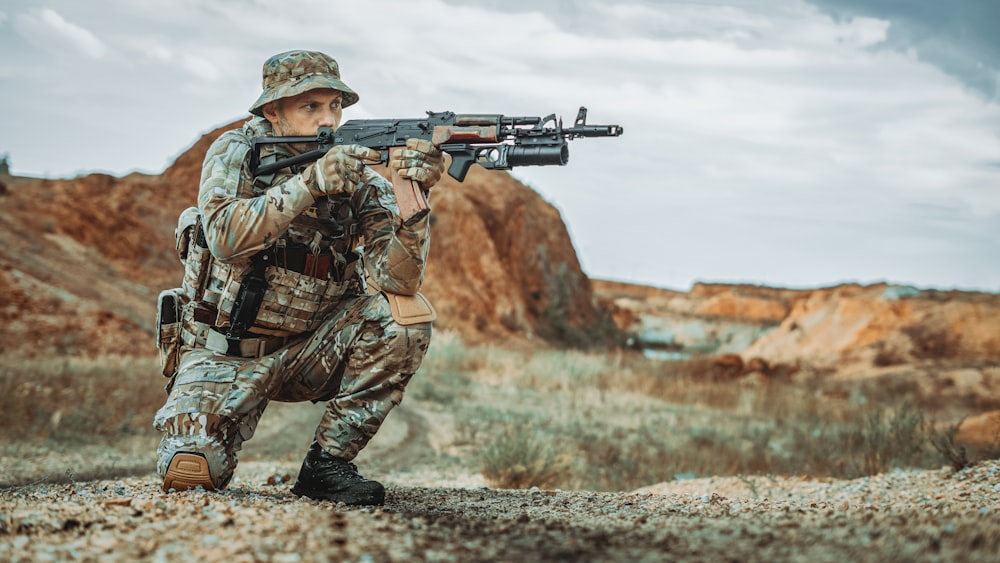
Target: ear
[270,111]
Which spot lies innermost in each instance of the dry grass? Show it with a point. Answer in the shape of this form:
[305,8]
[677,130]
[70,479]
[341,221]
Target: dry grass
[960,455]
[626,421]
[956,453]
[519,457]
[550,418]
[82,400]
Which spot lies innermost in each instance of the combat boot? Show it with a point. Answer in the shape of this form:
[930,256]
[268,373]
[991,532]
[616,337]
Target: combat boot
[325,477]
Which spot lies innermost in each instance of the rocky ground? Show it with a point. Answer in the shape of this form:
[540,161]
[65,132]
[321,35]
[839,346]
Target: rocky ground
[435,513]
[904,516]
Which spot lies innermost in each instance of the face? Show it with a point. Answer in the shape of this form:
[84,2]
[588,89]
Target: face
[304,114]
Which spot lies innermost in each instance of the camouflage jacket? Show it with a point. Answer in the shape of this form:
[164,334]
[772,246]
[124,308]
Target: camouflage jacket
[360,237]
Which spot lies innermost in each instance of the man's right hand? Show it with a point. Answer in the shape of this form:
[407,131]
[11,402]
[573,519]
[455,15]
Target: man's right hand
[339,171]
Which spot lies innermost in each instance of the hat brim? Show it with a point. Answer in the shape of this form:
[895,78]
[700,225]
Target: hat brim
[305,84]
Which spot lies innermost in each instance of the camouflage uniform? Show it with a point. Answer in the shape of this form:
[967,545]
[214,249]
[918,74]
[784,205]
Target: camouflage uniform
[323,333]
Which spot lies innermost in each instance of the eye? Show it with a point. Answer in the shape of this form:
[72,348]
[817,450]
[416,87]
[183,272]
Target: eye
[336,104]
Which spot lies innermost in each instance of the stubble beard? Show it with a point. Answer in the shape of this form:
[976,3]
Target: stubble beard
[285,129]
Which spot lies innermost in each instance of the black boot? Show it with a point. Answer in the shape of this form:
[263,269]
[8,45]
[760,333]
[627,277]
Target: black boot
[324,477]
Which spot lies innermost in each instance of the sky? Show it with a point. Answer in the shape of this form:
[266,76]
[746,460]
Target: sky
[786,143]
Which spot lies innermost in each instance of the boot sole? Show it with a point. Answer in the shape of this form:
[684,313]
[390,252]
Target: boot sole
[187,471]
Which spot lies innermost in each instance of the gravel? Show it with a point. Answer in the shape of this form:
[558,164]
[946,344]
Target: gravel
[900,516]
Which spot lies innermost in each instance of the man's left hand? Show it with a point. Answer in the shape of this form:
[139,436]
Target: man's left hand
[420,161]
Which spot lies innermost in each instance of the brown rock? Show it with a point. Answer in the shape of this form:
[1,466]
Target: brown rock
[981,432]
[727,366]
[868,324]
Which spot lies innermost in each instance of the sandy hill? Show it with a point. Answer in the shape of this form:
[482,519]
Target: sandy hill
[879,324]
[87,256]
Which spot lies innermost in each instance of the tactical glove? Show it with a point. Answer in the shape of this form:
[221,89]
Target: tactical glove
[420,161]
[339,171]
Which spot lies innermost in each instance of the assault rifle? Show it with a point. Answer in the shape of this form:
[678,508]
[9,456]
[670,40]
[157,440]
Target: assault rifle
[493,141]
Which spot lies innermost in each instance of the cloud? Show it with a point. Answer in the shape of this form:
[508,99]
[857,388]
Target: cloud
[44,26]
[158,53]
[770,142]
[200,66]
[962,38]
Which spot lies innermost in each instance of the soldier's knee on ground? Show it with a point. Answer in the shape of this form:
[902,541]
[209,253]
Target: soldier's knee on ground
[189,462]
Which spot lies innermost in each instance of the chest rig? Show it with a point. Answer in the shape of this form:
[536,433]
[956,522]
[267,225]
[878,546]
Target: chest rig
[287,289]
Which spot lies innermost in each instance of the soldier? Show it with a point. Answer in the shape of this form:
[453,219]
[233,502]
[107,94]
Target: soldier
[338,268]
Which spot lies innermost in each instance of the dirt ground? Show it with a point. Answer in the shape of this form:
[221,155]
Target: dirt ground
[103,503]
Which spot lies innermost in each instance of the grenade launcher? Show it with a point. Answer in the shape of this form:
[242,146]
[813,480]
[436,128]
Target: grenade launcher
[493,141]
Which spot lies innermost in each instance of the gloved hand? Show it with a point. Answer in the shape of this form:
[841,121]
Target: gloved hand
[420,161]
[339,171]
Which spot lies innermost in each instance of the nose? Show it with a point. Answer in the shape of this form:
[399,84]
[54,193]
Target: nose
[328,118]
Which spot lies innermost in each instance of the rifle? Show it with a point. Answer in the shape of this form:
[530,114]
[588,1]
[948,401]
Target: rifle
[493,141]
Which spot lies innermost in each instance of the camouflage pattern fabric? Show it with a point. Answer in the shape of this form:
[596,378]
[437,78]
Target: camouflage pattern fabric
[360,361]
[420,161]
[348,350]
[293,72]
[241,220]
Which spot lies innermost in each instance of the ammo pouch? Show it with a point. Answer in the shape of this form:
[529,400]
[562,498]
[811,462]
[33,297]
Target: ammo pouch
[168,329]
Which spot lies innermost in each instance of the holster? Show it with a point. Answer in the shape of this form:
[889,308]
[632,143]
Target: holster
[250,297]
[168,329]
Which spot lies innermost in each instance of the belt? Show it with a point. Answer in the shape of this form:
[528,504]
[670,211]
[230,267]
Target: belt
[243,347]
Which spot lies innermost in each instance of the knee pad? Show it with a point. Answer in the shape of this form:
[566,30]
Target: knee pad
[187,462]
[187,471]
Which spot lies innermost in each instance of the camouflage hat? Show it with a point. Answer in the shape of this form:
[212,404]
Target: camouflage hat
[293,72]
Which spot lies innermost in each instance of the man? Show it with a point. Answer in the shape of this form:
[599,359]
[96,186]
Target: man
[326,246]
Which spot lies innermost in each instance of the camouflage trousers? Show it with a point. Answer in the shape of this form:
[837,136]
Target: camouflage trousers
[359,361]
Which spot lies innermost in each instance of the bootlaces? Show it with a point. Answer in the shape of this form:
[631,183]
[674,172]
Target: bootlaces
[343,469]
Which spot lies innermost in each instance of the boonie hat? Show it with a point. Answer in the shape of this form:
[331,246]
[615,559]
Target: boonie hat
[293,72]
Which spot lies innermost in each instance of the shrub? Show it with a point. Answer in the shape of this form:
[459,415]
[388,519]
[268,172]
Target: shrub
[888,438]
[518,458]
[886,356]
[960,456]
[945,443]
[933,344]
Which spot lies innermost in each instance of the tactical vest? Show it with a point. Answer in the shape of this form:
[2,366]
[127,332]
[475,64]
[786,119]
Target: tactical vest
[302,284]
